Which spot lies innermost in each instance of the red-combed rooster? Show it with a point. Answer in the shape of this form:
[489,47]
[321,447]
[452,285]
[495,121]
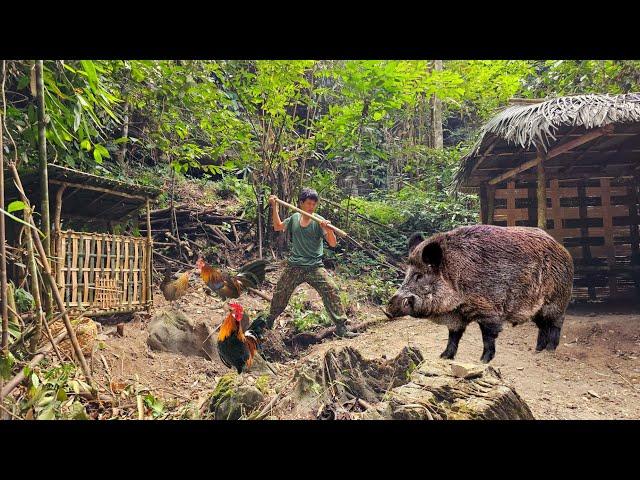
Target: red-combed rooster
[227,285]
[236,346]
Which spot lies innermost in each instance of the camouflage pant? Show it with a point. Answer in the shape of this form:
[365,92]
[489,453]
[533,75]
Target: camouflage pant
[319,279]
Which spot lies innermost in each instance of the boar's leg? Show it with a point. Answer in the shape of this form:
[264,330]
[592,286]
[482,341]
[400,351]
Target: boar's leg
[490,331]
[452,345]
[543,325]
[554,337]
[549,328]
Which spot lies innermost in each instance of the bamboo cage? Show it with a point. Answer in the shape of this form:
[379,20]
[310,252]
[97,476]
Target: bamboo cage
[595,219]
[571,166]
[102,273]
[98,273]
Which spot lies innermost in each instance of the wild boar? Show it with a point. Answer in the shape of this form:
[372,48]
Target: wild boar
[490,275]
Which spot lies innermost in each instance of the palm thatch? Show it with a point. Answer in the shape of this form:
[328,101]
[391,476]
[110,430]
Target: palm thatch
[528,126]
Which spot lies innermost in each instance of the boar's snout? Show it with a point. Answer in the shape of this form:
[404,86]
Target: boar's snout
[401,304]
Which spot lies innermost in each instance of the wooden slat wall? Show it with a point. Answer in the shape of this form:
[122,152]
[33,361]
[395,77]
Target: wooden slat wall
[596,220]
[101,272]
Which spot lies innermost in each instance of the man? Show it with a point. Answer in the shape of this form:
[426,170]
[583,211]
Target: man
[305,262]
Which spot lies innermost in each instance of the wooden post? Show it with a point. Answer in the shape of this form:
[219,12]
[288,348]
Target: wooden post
[491,203]
[542,193]
[57,235]
[149,259]
[52,284]
[484,217]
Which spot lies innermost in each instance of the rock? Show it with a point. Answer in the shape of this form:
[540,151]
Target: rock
[467,370]
[593,394]
[231,400]
[172,331]
[520,368]
[405,387]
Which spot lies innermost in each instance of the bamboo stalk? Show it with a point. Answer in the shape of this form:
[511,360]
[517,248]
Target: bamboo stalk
[3,254]
[35,288]
[312,216]
[44,174]
[149,259]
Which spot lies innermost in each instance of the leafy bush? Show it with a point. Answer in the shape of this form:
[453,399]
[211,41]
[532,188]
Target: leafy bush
[54,394]
[303,317]
[24,301]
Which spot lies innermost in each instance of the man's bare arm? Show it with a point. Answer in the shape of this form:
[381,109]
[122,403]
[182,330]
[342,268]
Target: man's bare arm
[278,225]
[330,235]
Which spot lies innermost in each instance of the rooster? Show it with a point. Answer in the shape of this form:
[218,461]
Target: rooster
[236,346]
[227,285]
[174,289]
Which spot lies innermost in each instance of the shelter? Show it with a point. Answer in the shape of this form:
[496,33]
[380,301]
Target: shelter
[570,165]
[100,273]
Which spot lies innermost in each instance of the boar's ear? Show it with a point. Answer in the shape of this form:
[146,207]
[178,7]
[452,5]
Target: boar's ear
[415,239]
[432,254]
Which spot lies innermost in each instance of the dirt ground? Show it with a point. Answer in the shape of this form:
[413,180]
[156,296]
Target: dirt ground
[594,374]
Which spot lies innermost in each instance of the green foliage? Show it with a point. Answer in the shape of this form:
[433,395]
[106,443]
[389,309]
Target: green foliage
[568,77]
[156,405]
[303,317]
[24,300]
[54,393]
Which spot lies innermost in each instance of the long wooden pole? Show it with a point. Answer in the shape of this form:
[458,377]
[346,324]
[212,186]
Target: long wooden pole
[542,193]
[3,254]
[312,216]
[52,282]
[149,258]
[587,137]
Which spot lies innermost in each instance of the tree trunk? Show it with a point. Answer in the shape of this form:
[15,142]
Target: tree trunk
[436,114]
[44,175]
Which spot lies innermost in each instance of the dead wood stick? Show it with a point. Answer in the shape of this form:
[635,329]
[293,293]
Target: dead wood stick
[370,220]
[263,413]
[312,216]
[260,294]
[221,236]
[172,260]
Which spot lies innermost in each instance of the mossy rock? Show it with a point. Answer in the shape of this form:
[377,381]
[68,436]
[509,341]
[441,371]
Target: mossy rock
[230,400]
[342,384]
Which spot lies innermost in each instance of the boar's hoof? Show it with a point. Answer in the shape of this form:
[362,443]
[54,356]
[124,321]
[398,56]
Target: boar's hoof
[487,356]
[447,354]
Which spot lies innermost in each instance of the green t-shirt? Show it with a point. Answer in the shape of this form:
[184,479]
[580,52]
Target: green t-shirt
[306,242]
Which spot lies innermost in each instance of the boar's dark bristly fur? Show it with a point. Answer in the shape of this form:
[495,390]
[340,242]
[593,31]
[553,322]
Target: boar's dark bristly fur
[490,275]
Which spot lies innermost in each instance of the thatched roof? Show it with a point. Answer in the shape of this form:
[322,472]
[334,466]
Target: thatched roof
[88,196]
[521,129]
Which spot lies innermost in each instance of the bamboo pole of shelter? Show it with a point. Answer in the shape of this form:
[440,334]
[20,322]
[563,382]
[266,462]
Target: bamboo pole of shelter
[44,175]
[312,216]
[541,191]
[48,275]
[3,254]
